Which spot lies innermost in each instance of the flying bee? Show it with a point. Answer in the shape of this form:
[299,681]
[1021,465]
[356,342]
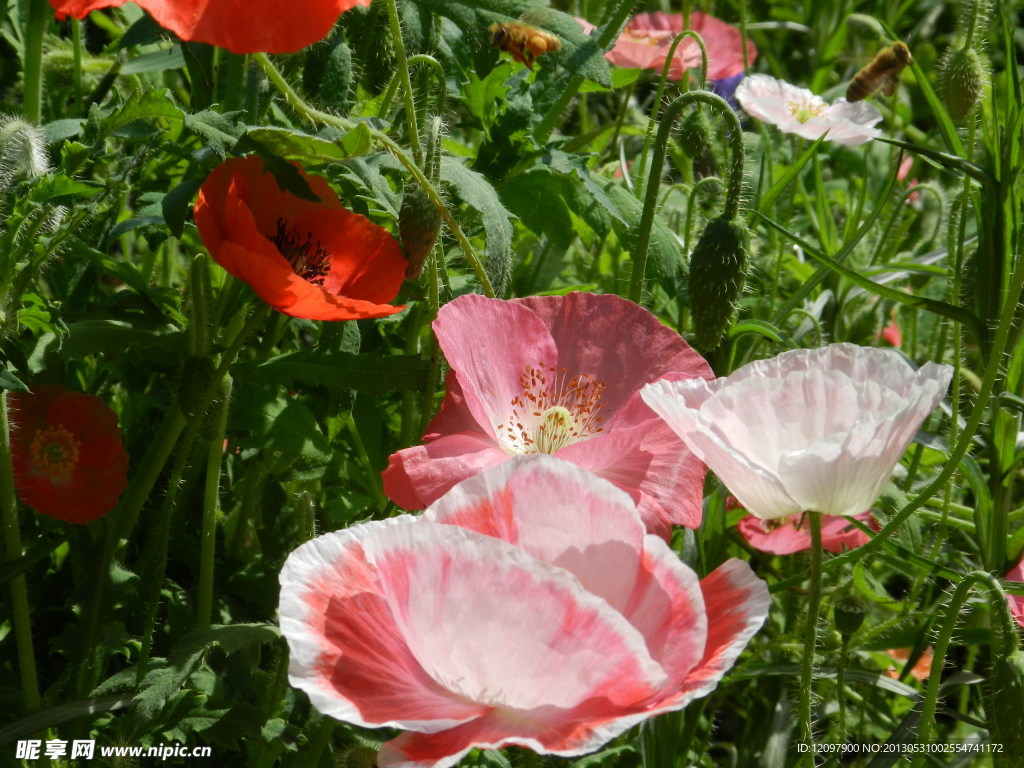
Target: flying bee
[524,42]
[883,72]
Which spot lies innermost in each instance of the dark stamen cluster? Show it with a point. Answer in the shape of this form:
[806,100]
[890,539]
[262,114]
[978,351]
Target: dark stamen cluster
[310,260]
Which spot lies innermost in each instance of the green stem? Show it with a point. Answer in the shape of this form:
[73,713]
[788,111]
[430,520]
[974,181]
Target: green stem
[208,538]
[732,200]
[660,94]
[407,162]
[162,534]
[810,636]
[1003,331]
[32,74]
[22,617]
[608,33]
[1005,630]
[76,62]
[402,67]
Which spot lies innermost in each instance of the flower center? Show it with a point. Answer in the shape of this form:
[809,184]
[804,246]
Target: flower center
[54,451]
[310,260]
[552,412]
[805,110]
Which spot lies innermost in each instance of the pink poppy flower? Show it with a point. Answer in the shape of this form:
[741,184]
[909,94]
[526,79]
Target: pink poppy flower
[558,375]
[645,40]
[786,535]
[657,29]
[809,430]
[1016,602]
[527,607]
[797,110]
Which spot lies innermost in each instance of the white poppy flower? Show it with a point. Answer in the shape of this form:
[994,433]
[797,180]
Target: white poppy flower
[797,110]
[809,430]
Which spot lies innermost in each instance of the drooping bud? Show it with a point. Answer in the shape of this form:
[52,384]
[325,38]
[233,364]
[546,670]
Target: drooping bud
[848,614]
[419,221]
[963,76]
[694,133]
[22,150]
[718,271]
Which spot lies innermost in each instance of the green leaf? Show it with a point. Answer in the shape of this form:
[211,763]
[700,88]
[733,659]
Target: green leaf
[296,145]
[339,371]
[39,722]
[111,337]
[61,190]
[163,682]
[10,382]
[177,205]
[476,192]
[156,104]
[16,567]
[220,130]
[158,61]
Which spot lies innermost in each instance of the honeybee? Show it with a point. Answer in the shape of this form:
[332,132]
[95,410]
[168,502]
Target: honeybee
[524,42]
[883,72]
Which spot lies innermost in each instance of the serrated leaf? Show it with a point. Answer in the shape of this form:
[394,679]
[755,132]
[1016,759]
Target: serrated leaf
[221,130]
[60,190]
[476,192]
[296,145]
[156,104]
[163,682]
[64,128]
[339,371]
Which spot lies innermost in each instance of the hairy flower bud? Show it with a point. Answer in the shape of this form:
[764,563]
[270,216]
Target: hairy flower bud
[848,614]
[718,271]
[963,81]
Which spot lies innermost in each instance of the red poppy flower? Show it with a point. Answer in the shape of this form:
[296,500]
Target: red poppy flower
[315,260]
[67,454]
[241,26]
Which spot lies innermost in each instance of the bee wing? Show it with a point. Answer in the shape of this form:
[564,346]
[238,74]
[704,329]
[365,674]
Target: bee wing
[889,82]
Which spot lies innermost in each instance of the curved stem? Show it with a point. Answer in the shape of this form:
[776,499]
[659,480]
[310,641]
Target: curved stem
[660,94]
[438,71]
[407,162]
[402,67]
[732,200]
[810,636]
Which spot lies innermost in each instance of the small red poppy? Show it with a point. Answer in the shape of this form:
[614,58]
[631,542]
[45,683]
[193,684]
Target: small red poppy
[241,26]
[315,260]
[67,454]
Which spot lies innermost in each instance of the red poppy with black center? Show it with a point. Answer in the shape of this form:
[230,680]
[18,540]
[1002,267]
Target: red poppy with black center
[241,26]
[66,450]
[315,260]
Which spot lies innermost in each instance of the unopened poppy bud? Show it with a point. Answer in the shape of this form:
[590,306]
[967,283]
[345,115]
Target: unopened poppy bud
[694,133]
[327,74]
[358,756]
[718,271]
[1006,692]
[22,150]
[848,614]
[419,224]
[963,81]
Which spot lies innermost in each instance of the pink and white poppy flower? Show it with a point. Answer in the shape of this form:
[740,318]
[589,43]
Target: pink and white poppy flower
[809,430]
[786,535]
[527,607]
[558,375]
[796,110]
